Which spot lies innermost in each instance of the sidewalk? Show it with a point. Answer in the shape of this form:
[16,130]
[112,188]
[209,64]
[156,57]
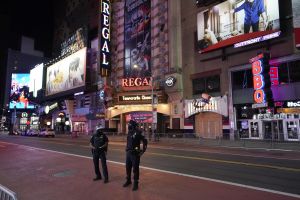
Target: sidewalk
[40,174]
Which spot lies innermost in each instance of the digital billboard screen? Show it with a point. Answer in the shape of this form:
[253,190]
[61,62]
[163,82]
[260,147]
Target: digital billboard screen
[234,21]
[36,79]
[19,93]
[66,74]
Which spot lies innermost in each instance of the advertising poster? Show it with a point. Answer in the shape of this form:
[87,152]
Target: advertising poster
[137,38]
[19,93]
[140,117]
[234,21]
[36,79]
[66,74]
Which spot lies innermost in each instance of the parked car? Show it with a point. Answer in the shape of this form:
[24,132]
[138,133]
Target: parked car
[46,133]
[32,132]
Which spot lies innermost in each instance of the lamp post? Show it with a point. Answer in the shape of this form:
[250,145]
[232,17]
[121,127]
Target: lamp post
[154,111]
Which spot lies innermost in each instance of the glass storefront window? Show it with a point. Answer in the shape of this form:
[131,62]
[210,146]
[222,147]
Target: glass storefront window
[206,85]
[292,130]
[242,79]
[294,71]
[283,72]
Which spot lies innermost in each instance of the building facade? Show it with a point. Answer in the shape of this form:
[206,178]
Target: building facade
[217,48]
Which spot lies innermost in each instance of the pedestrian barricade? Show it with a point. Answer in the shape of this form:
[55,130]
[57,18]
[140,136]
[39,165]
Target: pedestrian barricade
[7,194]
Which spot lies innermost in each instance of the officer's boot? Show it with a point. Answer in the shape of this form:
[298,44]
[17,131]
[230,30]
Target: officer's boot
[127,183]
[135,186]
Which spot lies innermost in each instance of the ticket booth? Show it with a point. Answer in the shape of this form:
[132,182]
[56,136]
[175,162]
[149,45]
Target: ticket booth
[291,129]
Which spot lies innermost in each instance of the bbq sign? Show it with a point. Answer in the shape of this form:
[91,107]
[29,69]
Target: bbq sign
[104,37]
[261,79]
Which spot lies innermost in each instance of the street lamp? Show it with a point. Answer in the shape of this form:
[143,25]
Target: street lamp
[154,111]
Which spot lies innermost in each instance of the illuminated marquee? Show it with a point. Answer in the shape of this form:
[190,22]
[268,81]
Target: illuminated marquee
[136,82]
[261,79]
[104,37]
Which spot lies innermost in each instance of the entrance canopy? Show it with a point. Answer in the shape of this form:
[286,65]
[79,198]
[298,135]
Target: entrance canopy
[216,104]
[120,109]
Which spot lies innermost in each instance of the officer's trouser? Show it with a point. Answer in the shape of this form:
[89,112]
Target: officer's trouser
[96,156]
[132,161]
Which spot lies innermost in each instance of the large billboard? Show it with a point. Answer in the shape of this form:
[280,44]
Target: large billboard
[137,38]
[66,74]
[36,79]
[19,92]
[234,21]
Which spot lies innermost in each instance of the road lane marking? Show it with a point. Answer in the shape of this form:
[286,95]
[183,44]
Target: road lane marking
[175,173]
[223,161]
[203,159]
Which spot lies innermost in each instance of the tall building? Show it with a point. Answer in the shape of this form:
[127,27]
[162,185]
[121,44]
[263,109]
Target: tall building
[246,100]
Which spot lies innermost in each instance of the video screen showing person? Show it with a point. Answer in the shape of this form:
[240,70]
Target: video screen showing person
[19,93]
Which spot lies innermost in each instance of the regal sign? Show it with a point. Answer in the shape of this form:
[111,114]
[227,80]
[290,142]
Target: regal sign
[104,37]
[136,82]
[261,79]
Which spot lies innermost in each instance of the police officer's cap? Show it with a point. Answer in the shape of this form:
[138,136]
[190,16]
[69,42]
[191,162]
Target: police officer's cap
[99,131]
[133,123]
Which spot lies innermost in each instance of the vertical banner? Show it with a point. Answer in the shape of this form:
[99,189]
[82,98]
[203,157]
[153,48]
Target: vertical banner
[104,38]
[296,21]
[137,34]
[262,80]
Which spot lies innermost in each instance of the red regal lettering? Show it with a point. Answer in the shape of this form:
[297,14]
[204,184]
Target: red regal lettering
[146,82]
[131,82]
[124,82]
[138,82]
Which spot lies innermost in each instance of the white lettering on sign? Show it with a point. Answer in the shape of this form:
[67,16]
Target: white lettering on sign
[293,104]
[258,39]
[135,98]
[104,34]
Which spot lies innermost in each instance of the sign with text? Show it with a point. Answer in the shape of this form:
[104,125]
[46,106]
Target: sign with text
[261,79]
[105,38]
[125,98]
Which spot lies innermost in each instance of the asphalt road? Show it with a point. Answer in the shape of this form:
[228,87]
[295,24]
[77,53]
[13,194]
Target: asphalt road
[277,173]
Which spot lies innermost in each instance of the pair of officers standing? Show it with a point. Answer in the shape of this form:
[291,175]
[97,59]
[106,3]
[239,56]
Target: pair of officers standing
[99,143]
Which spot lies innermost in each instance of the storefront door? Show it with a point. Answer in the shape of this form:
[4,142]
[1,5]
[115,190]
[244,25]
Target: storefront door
[208,125]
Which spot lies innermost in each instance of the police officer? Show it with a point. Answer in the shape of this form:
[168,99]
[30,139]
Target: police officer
[134,153]
[99,143]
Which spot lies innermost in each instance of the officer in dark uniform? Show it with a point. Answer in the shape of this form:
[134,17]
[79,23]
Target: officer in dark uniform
[134,153]
[99,143]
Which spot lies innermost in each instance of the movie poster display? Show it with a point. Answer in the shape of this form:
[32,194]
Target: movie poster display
[137,38]
[19,93]
[66,74]
[234,21]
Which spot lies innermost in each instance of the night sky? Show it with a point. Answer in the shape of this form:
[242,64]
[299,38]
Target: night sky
[32,18]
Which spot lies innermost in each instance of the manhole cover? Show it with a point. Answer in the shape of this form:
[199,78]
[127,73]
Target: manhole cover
[64,173]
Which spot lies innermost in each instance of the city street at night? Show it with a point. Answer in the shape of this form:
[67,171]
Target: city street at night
[150,100]
[52,168]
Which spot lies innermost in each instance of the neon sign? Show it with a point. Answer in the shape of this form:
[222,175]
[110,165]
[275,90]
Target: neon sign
[136,82]
[261,79]
[104,37]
